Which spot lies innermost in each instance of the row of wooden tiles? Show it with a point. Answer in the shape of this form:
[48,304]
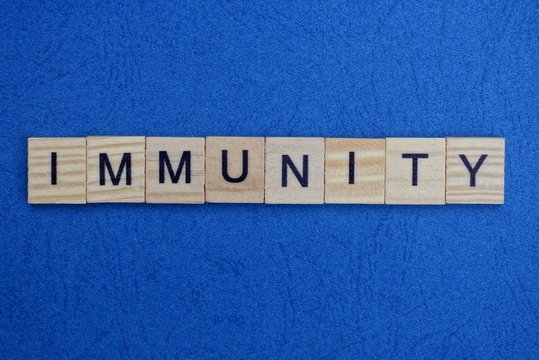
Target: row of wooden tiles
[265,170]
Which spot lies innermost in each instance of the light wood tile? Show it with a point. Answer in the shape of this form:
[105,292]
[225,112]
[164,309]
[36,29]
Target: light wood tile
[429,185]
[306,156]
[241,178]
[57,170]
[475,170]
[100,187]
[175,170]
[355,171]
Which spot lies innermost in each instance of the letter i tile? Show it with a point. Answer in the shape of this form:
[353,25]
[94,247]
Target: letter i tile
[57,170]
[355,171]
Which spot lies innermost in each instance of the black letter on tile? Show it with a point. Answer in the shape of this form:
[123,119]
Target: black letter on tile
[473,170]
[174,176]
[302,178]
[54,168]
[125,163]
[244,167]
[351,167]
[414,158]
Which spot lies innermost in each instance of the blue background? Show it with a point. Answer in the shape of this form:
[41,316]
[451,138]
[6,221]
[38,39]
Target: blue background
[259,281]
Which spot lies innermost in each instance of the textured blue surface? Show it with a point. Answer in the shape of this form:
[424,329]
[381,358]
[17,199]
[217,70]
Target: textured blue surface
[251,281]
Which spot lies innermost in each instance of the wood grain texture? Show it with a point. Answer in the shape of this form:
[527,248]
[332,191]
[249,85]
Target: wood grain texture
[368,170]
[249,190]
[294,192]
[489,178]
[70,187]
[430,188]
[180,192]
[115,147]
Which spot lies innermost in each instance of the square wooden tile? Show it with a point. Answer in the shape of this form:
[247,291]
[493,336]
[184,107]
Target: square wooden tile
[175,170]
[235,169]
[355,171]
[294,170]
[115,168]
[415,171]
[57,170]
[475,170]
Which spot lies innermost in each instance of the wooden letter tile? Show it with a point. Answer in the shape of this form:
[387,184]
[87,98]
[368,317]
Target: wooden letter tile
[235,169]
[415,171]
[115,168]
[57,170]
[294,170]
[475,170]
[175,170]
[355,171]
